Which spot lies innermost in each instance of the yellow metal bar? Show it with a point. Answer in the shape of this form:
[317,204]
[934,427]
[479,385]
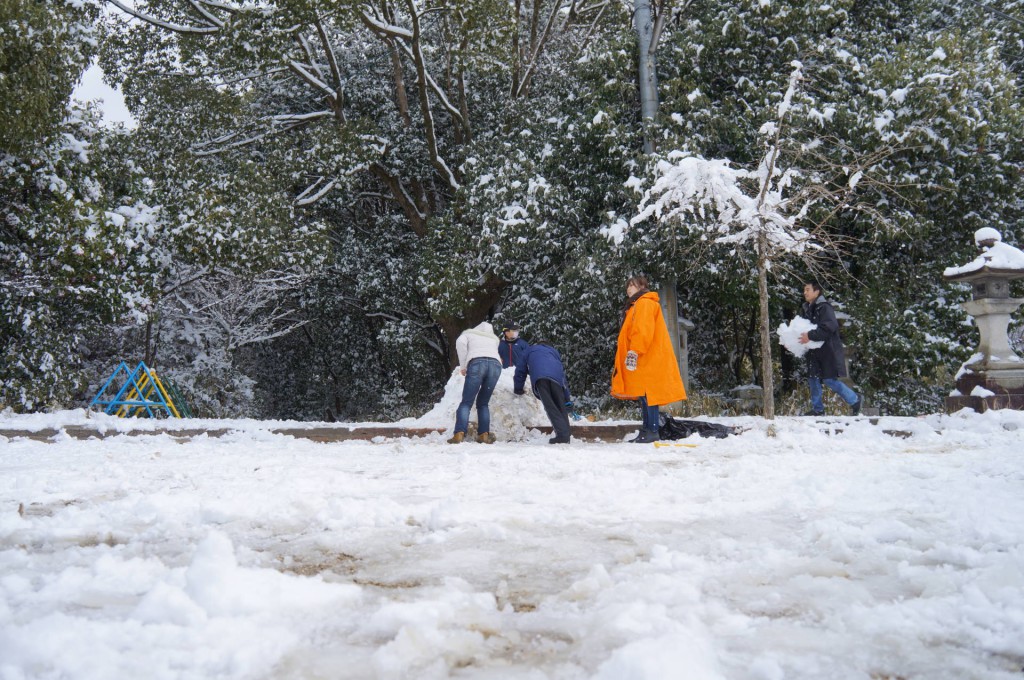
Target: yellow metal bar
[124,409]
[134,395]
[167,397]
[145,389]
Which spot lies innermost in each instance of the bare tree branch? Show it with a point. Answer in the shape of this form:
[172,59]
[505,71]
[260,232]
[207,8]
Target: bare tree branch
[428,117]
[413,212]
[538,48]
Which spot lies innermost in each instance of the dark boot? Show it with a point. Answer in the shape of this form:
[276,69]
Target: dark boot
[647,436]
[814,413]
[558,440]
[855,409]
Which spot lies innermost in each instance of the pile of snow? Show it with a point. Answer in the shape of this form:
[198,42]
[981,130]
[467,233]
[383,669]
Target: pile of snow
[789,336]
[512,415]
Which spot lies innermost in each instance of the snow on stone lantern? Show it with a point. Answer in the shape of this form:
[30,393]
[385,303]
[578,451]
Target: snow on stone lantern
[994,377]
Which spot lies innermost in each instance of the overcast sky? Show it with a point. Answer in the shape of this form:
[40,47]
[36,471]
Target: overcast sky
[92,88]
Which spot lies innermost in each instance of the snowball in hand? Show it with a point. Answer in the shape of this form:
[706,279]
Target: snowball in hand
[789,336]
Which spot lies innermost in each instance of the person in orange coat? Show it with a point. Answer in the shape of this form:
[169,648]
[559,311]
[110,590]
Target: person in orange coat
[646,369]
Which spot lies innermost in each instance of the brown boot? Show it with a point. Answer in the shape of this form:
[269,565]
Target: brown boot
[486,438]
[458,438]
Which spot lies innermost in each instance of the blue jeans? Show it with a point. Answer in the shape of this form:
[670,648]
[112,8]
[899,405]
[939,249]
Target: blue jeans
[814,382]
[649,415]
[481,377]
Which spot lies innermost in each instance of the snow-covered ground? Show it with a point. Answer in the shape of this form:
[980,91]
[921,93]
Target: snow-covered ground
[793,550]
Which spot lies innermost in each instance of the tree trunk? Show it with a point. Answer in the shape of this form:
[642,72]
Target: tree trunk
[647,77]
[485,298]
[767,382]
[150,350]
[648,69]
[670,310]
[401,96]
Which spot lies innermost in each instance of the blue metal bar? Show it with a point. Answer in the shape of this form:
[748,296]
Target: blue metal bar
[96,399]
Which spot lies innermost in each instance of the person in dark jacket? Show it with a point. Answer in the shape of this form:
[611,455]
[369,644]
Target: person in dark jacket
[511,346]
[825,364]
[543,364]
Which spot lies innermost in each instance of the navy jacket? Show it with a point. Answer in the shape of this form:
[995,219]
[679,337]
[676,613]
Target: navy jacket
[540,361]
[511,351]
[829,360]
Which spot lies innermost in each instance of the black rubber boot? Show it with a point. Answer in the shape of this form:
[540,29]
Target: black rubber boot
[647,436]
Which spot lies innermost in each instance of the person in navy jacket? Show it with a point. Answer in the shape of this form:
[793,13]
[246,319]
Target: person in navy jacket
[825,364]
[511,346]
[543,364]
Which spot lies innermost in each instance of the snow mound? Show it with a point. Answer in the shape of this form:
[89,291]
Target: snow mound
[512,415]
[789,336]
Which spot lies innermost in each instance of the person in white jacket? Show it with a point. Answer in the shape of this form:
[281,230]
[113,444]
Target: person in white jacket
[480,362]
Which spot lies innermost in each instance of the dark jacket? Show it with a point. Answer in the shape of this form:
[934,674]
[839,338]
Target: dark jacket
[540,361]
[829,360]
[511,351]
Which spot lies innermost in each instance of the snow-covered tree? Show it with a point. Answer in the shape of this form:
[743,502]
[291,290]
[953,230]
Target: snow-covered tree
[417,166]
[374,99]
[44,49]
[76,252]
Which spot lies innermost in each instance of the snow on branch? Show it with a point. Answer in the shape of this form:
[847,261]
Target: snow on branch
[710,195]
[441,95]
[694,187]
[382,28]
[306,75]
[308,197]
[739,206]
[210,16]
[304,44]
[280,123]
[299,117]
[160,23]
[223,143]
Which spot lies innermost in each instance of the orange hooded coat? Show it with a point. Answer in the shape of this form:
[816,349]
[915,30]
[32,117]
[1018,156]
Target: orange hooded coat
[657,372]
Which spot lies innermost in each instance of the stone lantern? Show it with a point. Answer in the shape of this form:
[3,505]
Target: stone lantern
[994,377]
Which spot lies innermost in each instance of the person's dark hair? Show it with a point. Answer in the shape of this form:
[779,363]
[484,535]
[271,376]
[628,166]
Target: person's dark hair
[640,281]
[814,285]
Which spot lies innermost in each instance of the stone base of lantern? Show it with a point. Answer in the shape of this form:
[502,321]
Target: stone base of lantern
[1002,389]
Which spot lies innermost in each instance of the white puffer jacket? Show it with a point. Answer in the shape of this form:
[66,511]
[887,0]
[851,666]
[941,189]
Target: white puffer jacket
[477,342]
